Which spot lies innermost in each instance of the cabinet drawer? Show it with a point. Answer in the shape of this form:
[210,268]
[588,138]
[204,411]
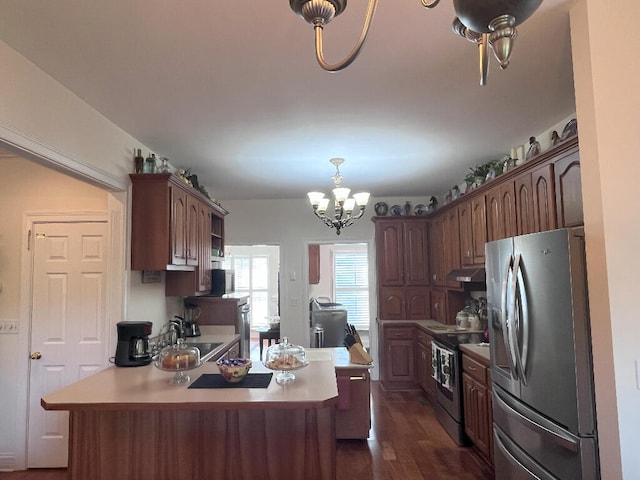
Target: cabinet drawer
[398,333]
[475,369]
[424,338]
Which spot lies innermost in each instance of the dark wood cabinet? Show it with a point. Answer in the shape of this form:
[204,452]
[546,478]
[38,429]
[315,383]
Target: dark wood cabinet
[501,211]
[451,243]
[438,305]
[568,185]
[544,199]
[402,268]
[472,215]
[524,204]
[314,264]
[174,228]
[403,303]
[398,357]
[437,251]
[423,360]
[402,252]
[478,416]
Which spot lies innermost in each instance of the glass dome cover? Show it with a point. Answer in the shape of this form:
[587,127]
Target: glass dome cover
[285,357]
[178,358]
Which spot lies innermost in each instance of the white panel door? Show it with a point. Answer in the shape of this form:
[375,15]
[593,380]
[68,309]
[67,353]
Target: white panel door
[67,325]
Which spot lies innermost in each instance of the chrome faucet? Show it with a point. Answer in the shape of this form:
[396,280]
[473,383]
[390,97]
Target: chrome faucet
[171,332]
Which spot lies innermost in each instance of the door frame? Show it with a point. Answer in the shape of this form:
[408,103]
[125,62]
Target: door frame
[115,301]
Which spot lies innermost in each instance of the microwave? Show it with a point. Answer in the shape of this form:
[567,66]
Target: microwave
[222,282]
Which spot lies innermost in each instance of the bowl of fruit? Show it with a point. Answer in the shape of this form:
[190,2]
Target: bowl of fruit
[234,370]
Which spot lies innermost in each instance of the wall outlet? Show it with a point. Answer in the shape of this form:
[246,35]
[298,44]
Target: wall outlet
[8,326]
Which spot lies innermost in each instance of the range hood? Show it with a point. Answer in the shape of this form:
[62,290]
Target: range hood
[478,274]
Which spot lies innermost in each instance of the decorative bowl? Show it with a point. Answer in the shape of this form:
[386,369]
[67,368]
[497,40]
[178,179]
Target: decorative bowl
[233,370]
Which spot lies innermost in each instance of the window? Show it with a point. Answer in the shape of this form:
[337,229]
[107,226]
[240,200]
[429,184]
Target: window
[351,284]
[256,274]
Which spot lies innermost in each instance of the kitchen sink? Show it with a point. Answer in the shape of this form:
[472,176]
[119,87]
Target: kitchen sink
[204,347]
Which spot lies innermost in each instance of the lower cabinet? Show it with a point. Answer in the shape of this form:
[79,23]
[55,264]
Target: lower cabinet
[353,411]
[423,359]
[478,416]
[398,357]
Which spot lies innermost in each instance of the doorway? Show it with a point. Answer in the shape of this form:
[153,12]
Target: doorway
[257,274]
[339,273]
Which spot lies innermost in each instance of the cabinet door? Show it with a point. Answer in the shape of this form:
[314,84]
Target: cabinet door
[423,357]
[524,204]
[389,252]
[400,364]
[193,235]
[314,264]
[544,199]
[470,403]
[391,304]
[495,229]
[204,248]
[568,184]
[438,305]
[437,250]
[416,252]
[466,234]
[451,242]
[178,226]
[479,228]
[417,303]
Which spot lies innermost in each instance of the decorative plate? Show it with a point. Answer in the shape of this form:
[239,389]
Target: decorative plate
[397,211]
[570,129]
[419,209]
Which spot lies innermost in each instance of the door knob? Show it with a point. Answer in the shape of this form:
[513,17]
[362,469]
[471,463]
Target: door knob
[36,356]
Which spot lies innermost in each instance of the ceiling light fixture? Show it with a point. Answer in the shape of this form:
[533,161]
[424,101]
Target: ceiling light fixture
[343,206]
[487,23]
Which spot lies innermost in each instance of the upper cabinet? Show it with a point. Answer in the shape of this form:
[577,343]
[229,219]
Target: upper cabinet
[568,185]
[402,251]
[174,228]
[402,268]
[472,215]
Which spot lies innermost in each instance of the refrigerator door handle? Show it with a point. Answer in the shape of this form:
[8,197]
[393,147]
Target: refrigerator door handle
[520,314]
[556,437]
[505,317]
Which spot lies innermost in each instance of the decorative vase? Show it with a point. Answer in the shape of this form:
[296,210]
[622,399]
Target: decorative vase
[381,209]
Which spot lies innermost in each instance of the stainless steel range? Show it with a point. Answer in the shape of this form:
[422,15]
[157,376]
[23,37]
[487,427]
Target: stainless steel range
[446,368]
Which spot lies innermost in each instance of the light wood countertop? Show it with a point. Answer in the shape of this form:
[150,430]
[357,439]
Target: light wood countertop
[148,388]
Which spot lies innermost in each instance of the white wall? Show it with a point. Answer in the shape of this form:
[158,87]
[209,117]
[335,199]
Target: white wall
[606,58]
[26,188]
[43,122]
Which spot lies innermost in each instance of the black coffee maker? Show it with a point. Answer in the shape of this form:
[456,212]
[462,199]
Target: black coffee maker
[133,344]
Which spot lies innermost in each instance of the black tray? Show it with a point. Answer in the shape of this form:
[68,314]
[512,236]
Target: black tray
[215,380]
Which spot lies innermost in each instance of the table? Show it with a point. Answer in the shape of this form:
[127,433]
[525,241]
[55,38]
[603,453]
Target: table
[268,335]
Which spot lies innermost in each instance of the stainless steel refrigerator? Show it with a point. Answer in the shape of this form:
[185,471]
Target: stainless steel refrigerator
[541,364]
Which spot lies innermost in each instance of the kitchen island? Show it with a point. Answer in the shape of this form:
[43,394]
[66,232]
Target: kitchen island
[131,423]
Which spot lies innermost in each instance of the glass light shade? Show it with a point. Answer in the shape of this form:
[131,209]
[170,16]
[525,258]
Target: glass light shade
[361,198]
[322,206]
[341,193]
[315,197]
[349,205]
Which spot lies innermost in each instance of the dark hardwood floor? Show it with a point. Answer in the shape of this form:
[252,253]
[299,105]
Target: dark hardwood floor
[406,443]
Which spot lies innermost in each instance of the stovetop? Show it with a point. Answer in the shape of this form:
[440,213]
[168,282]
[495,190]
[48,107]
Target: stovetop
[454,339]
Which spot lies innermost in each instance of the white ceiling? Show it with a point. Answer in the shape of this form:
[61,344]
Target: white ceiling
[232,89]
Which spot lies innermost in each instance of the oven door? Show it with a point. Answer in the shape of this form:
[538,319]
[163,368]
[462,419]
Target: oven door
[445,369]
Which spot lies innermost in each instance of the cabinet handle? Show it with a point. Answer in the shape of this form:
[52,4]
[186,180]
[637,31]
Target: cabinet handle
[473,369]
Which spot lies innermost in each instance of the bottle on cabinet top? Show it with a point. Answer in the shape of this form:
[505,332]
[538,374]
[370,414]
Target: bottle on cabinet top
[150,164]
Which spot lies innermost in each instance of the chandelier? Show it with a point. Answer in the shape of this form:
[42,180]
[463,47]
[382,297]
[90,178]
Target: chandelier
[487,23]
[343,206]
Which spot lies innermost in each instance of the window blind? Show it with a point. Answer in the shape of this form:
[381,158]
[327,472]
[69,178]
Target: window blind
[351,272]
